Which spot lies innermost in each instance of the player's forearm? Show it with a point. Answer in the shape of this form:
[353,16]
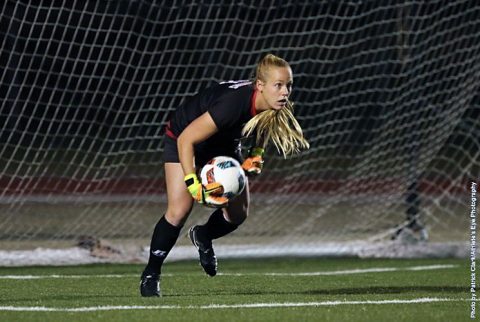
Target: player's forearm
[186,155]
[198,131]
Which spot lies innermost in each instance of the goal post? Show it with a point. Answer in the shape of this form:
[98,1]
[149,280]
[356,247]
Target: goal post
[387,93]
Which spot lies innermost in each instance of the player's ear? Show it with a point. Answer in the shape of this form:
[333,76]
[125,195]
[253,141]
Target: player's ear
[260,85]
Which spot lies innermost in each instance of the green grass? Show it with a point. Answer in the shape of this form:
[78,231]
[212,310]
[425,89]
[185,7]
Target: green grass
[184,284]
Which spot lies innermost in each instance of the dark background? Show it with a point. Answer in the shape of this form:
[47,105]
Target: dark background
[102,76]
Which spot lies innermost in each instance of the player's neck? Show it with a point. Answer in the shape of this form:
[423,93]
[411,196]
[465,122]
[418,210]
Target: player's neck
[260,103]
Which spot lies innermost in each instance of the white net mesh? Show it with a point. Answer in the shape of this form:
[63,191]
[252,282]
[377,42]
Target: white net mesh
[386,91]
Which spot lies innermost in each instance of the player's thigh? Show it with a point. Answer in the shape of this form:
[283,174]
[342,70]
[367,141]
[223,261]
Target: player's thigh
[179,200]
[237,210]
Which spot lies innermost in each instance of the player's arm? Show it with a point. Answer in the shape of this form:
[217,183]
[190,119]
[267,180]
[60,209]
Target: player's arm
[198,131]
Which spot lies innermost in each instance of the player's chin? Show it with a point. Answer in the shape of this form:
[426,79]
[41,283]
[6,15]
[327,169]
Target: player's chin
[278,106]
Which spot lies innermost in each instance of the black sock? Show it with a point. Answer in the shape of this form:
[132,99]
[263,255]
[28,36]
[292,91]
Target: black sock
[164,237]
[217,226]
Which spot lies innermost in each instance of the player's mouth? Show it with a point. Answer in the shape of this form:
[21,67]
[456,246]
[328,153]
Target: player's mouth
[282,102]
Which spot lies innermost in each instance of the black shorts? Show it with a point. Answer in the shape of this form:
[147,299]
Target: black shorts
[203,154]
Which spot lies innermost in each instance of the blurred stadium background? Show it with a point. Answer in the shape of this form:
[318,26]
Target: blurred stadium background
[386,91]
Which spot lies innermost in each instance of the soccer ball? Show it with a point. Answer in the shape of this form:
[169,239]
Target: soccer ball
[228,172]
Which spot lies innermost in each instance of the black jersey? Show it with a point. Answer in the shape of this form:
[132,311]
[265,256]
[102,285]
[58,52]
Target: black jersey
[231,104]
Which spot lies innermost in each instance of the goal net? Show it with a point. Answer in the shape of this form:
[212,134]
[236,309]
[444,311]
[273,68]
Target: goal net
[387,93]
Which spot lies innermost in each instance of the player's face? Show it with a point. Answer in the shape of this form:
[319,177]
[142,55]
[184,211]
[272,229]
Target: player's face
[277,88]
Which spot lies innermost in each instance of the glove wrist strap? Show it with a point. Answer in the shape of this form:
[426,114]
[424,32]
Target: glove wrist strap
[257,152]
[191,179]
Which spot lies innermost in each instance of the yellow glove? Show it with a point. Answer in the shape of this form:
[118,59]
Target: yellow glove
[210,195]
[254,163]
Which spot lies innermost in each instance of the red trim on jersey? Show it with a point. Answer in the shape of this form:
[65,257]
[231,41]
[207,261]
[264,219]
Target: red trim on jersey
[169,132]
[253,109]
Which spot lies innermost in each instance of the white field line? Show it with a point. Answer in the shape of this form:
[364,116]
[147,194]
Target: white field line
[321,273]
[38,277]
[368,270]
[226,306]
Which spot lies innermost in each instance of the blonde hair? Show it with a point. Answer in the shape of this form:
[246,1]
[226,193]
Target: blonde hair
[276,126]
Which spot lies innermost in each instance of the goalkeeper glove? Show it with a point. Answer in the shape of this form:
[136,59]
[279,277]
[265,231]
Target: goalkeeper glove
[254,163]
[210,195]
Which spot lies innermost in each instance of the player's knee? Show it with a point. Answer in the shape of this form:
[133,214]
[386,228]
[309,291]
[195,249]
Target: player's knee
[178,215]
[236,215]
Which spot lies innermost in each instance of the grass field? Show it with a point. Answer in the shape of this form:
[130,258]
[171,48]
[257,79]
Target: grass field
[292,289]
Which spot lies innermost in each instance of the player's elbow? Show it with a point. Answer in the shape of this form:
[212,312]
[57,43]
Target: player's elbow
[187,138]
[183,141]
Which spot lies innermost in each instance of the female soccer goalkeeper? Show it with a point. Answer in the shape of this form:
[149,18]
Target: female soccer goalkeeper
[210,124]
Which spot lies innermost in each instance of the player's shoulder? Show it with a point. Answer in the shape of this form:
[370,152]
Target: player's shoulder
[236,84]
[233,87]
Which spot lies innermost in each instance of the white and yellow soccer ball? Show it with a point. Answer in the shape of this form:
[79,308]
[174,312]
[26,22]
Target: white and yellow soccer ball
[228,172]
